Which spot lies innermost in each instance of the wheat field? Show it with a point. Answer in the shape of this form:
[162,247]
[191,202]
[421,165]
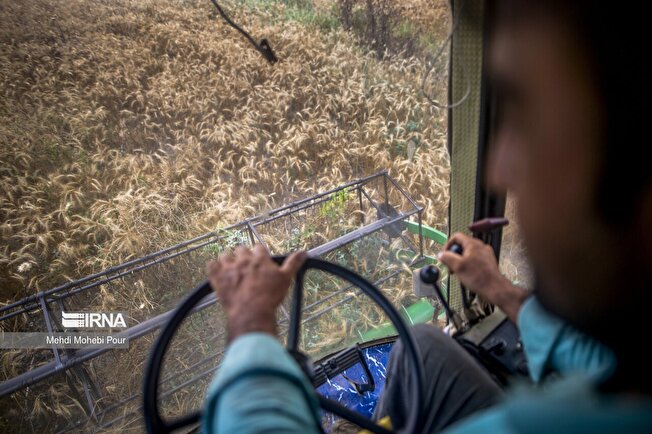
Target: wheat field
[130,125]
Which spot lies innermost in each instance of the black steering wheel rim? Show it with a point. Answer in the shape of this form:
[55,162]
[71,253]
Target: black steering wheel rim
[155,423]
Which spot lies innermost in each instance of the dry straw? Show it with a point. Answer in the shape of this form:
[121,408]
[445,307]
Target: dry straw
[127,126]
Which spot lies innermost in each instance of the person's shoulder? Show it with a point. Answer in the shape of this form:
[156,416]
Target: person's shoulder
[494,421]
[568,406]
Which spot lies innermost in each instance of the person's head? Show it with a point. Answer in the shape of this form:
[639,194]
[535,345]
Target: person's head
[572,93]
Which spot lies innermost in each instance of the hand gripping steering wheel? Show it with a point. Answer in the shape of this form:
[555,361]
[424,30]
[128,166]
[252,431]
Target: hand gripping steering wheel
[156,424]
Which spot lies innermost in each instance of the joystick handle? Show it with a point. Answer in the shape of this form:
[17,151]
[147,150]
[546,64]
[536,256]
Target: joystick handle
[456,248]
[429,274]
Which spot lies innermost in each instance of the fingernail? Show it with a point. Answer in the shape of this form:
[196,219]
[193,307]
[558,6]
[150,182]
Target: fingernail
[439,255]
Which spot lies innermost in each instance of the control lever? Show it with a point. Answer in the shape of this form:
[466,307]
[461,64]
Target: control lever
[470,315]
[430,275]
[488,225]
[456,248]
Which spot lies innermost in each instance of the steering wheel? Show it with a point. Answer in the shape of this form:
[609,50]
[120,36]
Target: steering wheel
[156,424]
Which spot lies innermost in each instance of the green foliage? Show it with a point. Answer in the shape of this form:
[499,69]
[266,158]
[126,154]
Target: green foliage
[413,126]
[406,34]
[405,30]
[299,238]
[229,239]
[323,20]
[298,4]
[334,206]
[301,11]
[406,146]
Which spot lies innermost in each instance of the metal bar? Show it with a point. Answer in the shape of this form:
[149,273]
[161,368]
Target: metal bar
[48,324]
[51,368]
[344,300]
[420,233]
[286,314]
[257,235]
[252,239]
[373,204]
[348,238]
[165,380]
[357,234]
[80,373]
[404,193]
[115,419]
[289,212]
[106,280]
[386,194]
[359,188]
[326,193]
[71,374]
[409,243]
[163,395]
[103,272]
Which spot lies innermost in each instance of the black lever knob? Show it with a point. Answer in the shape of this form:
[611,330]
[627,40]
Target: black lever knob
[456,248]
[429,274]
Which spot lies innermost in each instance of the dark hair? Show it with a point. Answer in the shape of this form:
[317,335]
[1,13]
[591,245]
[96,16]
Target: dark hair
[615,40]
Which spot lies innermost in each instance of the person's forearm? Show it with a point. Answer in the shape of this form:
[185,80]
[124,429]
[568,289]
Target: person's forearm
[506,296]
[268,403]
[245,320]
[478,270]
[259,387]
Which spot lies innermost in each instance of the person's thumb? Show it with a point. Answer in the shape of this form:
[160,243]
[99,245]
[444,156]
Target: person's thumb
[452,260]
[293,263]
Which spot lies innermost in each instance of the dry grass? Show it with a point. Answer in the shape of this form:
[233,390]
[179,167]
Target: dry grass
[127,126]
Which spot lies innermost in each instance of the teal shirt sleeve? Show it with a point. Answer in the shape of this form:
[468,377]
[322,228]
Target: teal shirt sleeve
[553,345]
[260,388]
[569,406]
